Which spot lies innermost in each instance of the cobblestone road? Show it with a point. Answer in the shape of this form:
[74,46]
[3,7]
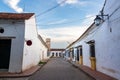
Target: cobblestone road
[59,69]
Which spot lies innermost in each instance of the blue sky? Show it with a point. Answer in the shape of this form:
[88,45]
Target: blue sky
[63,24]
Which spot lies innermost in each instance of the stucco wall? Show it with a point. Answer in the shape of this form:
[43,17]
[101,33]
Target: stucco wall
[107,42]
[67,54]
[107,50]
[31,55]
[43,51]
[22,56]
[109,54]
[85,51]
[37,51]
[14,28]
[55,53]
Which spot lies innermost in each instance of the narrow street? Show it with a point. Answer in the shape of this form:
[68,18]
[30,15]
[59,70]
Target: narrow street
[59,69]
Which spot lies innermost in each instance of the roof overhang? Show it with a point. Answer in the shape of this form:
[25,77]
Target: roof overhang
[57,49]
[16,16]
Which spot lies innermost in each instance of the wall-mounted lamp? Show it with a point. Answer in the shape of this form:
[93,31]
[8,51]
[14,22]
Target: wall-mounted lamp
[99,19]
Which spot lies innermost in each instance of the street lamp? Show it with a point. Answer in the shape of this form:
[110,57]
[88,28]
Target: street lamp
[97,20]
[100,18]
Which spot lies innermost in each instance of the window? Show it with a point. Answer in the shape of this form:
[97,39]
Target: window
[68,53]
[78,53]
[60,54]
[81,51]
[72,53]
[56,54]
[53,54]
[92,50]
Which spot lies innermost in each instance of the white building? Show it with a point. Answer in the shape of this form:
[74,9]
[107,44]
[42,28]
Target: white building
[43,49]
[56,52]
[20,45]
[99,46]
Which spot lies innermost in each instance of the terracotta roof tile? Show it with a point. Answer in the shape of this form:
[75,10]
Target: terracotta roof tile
[18,16]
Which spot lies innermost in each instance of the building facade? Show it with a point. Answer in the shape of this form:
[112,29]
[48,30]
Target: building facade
[20,45]
[44,49]
[56,52]
[99,46]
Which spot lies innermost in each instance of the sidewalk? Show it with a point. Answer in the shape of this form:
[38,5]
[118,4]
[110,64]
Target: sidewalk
[26,73]
[95,74]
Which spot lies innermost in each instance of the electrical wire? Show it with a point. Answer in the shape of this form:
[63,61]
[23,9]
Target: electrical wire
[114,11]
[73,21]
[104,5]
[50,9]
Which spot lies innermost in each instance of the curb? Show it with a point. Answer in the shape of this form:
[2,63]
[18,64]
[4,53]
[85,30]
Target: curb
[80,69]
[94,74]
[26,73]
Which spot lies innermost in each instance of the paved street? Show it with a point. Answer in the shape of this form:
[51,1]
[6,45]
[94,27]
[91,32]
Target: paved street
[59,69]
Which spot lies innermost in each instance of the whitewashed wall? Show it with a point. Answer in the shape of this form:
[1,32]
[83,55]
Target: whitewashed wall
[43,51]
[86,53]
[66,56]
[107,42]
[15,29]
[110,51]
[23,57]
[31,55]
[75,54]
[55,53]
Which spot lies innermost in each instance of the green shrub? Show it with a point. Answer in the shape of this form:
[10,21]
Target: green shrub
[42,62]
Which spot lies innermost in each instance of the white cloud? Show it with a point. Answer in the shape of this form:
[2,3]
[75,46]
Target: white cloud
[62,35]
[89,20]
[72,2]
[14,5]
[57,22]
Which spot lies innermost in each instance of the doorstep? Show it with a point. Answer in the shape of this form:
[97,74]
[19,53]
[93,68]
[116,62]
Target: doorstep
[26,73]
[95,74]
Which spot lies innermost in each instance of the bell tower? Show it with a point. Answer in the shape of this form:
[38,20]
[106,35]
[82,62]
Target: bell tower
[48,42]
